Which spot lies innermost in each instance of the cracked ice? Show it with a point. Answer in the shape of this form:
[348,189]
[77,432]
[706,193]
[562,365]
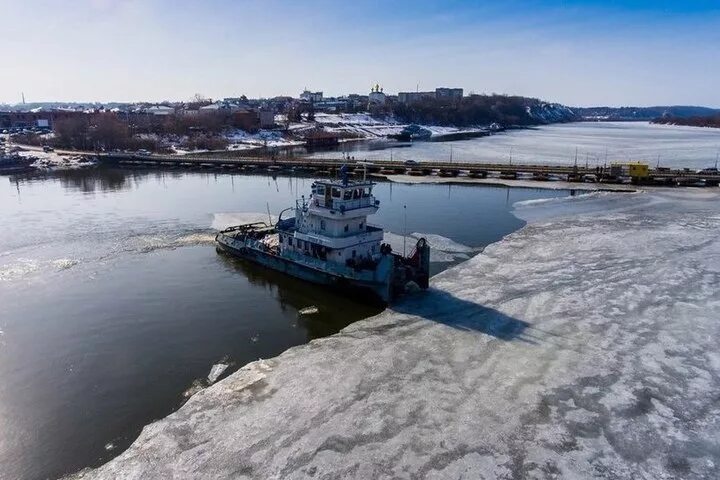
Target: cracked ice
[583,345]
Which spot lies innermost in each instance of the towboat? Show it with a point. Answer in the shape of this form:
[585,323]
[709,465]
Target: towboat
[329,242]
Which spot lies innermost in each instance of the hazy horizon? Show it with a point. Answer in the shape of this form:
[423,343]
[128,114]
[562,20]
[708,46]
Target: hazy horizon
[630,53]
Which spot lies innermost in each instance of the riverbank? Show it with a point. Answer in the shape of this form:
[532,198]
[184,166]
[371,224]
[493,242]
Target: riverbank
[582,345]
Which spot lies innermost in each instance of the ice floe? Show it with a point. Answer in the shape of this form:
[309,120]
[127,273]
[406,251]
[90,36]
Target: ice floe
[308,310]
[442,249]
[582,346]
[216,371]
[22,267]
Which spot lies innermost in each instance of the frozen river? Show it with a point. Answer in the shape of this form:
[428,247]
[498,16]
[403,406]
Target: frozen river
[675,146]
[114,302]
[582,346]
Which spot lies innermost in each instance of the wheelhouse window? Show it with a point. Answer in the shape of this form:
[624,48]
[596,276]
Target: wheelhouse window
[336,192]
[347,195]
[322,224]
[347,228]
[320,189]
[362,224]
[366,192]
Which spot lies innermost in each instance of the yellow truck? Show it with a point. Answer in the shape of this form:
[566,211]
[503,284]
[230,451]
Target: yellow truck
[634,170]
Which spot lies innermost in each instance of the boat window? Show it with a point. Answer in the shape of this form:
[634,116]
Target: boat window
[347,227]
[336,192]
[290,241]
[320,189]
[357,193]
[322,224]
[361,225]
[366,192]
[347,195]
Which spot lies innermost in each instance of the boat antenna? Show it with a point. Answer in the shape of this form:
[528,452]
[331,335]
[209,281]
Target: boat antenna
[404,229]
[344,174]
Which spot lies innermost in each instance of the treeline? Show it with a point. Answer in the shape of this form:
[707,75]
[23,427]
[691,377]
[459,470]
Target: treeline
[109,131]
[712,121]
[642,113]
[473,110]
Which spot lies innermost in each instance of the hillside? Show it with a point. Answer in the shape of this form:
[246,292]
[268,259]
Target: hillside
[712,121]
[477,110]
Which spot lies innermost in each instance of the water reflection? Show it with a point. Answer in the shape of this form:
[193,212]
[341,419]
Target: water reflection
[335,311]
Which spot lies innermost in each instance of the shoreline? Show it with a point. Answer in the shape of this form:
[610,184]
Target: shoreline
[556,363]
[520,183]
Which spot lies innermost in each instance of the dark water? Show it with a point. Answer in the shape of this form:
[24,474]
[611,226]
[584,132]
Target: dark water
[114,301]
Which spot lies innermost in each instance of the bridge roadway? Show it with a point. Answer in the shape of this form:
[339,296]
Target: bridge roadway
[398,167]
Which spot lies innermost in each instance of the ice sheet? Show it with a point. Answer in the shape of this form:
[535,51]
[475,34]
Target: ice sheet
[583,346]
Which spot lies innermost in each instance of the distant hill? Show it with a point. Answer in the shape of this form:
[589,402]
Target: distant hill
[643,113]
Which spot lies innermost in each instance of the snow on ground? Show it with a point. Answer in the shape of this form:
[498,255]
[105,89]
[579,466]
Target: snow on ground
[53,161]
[582,346]
[363,125]
[264,138]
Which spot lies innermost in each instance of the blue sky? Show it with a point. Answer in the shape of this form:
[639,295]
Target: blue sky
[590,52]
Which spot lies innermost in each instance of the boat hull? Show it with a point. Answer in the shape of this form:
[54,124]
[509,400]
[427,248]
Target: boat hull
[377,292]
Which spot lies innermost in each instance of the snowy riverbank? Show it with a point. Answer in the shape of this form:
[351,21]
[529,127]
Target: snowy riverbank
[583,345]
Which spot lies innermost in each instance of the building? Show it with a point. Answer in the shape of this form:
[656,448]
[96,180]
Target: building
[452,93]
[330,105]
[160,110]
[376,96]
[312,97]
[267,118]
[35,119]
[415,97]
